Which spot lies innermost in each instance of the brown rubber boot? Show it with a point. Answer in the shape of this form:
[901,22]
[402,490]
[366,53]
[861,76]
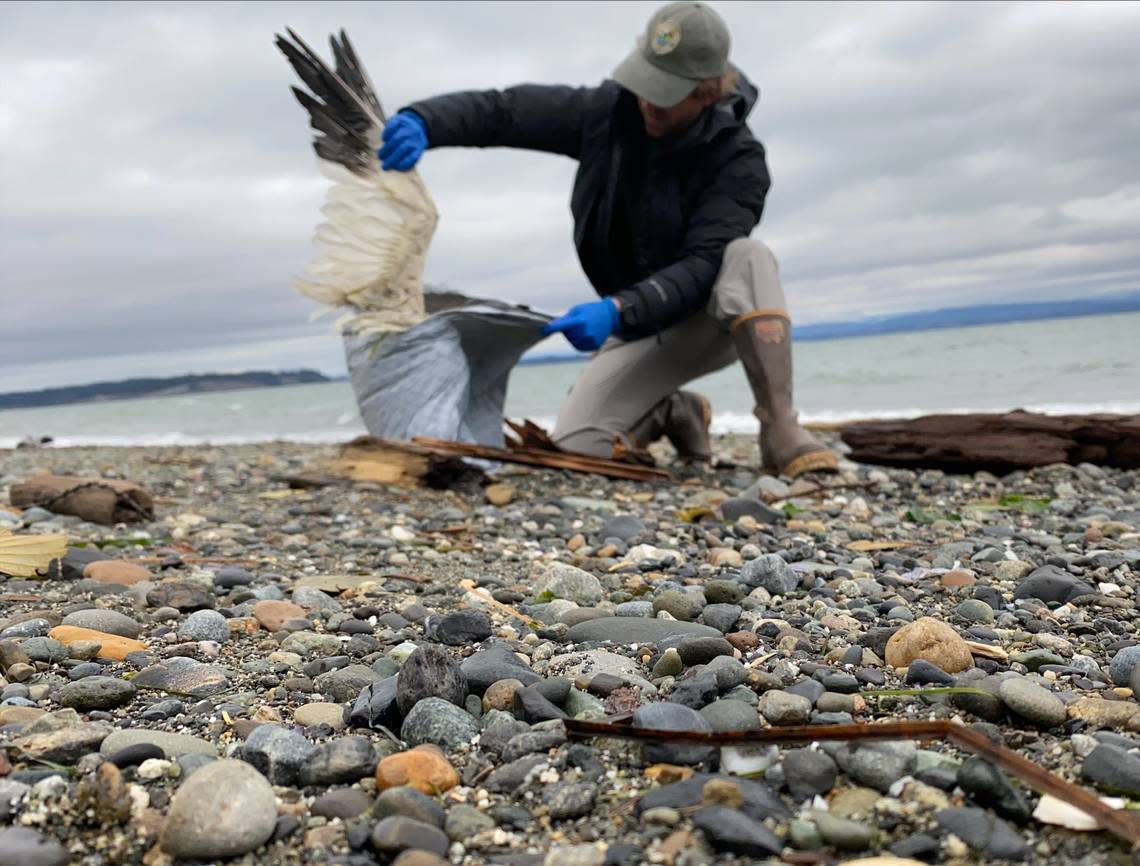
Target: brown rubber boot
[765,348]
[683,418]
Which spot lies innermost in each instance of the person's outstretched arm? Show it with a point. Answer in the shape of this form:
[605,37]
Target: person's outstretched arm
[530,116]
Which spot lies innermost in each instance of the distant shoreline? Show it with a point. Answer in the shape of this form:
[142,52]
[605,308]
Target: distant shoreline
[970,317]
[151,387]
[936,320]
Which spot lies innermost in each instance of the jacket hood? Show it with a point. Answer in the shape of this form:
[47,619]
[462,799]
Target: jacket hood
[744,99]
[729,113]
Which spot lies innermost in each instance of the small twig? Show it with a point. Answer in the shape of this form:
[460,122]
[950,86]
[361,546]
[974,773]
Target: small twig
[481,775]
[191,560]
[51,765]
[469,585]
[408,577]
[827,488]
[387,733]
[942,690]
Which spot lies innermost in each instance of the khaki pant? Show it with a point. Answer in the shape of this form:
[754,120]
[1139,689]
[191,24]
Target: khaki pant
[624,380]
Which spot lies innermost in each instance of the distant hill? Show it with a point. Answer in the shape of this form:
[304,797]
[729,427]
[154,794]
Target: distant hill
[964,317]
[158,387]
[928,320]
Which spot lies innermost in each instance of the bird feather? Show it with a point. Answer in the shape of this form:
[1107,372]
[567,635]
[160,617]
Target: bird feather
[371,249]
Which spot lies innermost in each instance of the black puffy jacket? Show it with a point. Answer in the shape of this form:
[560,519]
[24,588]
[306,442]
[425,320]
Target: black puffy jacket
[651,219]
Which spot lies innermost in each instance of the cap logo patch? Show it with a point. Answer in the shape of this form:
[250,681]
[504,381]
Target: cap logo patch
[666,37]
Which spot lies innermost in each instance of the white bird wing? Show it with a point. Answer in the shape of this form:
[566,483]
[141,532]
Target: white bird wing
[372,246]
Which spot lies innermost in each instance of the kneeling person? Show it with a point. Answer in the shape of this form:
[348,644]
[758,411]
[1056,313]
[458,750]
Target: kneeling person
[670,184]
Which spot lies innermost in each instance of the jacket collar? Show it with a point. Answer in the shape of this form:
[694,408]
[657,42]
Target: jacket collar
[729,113]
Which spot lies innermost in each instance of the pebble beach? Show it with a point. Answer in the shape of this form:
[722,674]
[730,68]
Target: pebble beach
[371,674]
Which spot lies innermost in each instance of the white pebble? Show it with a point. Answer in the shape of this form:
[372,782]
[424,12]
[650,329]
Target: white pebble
[742,760]
[153,768]
[1083,744]
[140,800]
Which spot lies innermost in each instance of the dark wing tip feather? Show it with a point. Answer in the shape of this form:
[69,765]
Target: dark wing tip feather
[342,108]
[349,68]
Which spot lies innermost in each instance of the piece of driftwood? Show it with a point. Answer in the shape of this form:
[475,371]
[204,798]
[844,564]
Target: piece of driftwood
[996,443]
[106,501]
[528,435]
[367,458]
[438,463]
[533,456]
[29,555]
[1124,824]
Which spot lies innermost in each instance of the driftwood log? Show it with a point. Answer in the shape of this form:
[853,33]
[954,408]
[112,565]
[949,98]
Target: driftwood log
[997,443]
[106,501]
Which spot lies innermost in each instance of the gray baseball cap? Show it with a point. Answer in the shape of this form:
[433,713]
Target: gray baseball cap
[685,43]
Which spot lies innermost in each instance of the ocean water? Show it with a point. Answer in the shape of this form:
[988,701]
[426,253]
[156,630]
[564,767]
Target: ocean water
[1078,365]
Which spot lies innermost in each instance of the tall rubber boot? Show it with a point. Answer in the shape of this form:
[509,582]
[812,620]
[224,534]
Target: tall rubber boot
[764,345]
[683,418]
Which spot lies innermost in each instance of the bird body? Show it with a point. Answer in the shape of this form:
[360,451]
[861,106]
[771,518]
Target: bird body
[435,366]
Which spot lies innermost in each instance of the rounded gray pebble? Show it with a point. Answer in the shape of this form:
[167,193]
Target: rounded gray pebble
[1120,668]
[108,621]
[770,572]
[1032,702]
[225,809]
[96,693]
[22,846]
[974,611]
[434,720]
[784,708]
[205,625]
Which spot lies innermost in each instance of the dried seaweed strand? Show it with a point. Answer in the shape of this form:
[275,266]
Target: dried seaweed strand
[1118,821]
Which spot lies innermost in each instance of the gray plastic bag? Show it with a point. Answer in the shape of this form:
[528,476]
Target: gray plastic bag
[445,377]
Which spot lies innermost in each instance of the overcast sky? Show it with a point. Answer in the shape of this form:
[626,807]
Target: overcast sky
[159,190]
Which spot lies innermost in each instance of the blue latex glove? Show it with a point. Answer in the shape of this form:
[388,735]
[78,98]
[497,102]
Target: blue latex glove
[405,140]
[587,326]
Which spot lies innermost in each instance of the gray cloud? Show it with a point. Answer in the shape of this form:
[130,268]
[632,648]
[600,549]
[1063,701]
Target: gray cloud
[159,190]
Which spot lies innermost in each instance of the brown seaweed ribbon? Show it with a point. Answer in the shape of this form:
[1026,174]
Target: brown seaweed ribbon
[1119,821]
